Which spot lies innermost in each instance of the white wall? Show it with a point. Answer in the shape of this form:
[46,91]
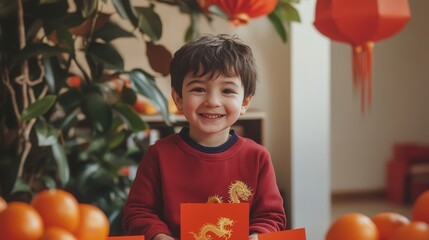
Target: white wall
[361,144]
[310,114]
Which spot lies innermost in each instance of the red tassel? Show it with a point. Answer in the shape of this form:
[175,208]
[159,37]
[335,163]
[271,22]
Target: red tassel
[369,51]
[362,72]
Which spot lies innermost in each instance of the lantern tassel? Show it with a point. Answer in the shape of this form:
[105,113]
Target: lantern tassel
[369,56]
[362,72]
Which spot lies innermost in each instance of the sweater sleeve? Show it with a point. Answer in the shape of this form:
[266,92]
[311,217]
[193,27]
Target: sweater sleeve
[143,209]
[267,212]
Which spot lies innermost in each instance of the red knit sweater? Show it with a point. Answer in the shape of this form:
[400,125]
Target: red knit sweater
[173,172]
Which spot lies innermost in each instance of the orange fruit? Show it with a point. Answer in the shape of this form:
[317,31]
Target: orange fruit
[20,221]
[352,226]
[420,209]
[57,208]
[387,223]
[55,233]
[3,204]
[142,105]
[413,231]
[74,81]
[93,224]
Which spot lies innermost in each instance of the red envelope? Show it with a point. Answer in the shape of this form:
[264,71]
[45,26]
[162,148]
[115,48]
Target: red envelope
[294,234]
[214,220]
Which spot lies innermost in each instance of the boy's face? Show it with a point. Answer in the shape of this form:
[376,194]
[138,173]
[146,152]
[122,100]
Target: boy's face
[211,104]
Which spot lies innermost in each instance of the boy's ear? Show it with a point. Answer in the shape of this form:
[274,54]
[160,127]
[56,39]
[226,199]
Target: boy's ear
[246,104]
[177,100]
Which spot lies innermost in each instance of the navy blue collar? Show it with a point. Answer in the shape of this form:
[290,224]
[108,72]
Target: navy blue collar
[184,133]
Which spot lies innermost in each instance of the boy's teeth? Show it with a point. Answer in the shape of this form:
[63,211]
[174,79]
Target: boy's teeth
[211,116]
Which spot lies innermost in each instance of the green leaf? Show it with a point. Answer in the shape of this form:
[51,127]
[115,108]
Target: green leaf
[288,13]
[33,30]
[69,121]
[120,8]
[217,11]
[96,146]
[98,112]
[115,219]
[9,164]
[111,31]
[115,140]
[55,76]
[31,51]
[128,96]
[130,117]
[126,11]
[20,186]
[193,31]
[107,55]
[278,25]
[48,181]
[144,84]
[38,108]
[85,177]
[149,22]
[46,133]
[70,99]
[289,1]
[64,35]
[60,157]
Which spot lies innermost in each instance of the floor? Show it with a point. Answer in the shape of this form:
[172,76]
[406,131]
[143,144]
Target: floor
[368,206]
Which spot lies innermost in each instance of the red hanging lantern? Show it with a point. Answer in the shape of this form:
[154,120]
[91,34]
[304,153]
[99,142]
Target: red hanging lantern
[361,23]
[239,12]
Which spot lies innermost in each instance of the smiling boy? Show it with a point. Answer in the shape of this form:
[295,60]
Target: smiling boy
[213,82]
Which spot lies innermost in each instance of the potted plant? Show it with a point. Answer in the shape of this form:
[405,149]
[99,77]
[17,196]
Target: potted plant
[67,103]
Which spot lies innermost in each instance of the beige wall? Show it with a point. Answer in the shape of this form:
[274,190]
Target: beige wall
[361,145]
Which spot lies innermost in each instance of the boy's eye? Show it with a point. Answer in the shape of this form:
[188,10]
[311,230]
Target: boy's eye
[228,91]
[198,89]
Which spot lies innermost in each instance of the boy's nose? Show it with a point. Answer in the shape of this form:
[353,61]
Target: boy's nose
[212,100]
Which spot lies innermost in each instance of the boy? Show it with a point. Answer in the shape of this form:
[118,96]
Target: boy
[213,81]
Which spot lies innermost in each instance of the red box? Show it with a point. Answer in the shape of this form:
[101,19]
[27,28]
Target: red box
[401,184]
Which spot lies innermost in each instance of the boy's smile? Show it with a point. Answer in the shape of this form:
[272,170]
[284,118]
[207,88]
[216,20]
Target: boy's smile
[211,104]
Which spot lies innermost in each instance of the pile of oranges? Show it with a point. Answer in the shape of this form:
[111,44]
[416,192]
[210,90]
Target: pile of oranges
[384,225]
[53,214]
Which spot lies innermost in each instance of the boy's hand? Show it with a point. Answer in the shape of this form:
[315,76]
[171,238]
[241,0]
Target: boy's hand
[162,236]
[253,237]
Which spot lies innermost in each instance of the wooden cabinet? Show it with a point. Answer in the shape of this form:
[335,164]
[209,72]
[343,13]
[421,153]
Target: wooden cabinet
[249,125]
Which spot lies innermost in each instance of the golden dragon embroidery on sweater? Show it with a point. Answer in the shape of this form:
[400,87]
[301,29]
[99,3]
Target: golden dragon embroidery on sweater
[215,199]
[238,191]
[219,230]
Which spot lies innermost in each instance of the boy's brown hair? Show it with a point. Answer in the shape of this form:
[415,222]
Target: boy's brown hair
[220,54]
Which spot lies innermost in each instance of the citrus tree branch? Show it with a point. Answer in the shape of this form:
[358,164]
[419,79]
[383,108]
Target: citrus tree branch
[25,144]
